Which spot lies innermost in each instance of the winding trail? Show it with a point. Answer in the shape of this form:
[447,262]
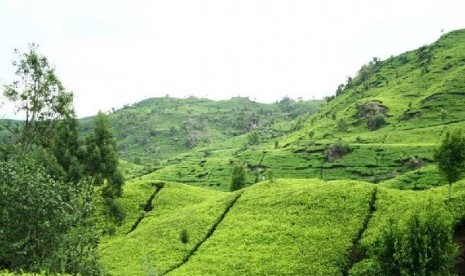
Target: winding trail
[207,236]
[149,205]
[357,253]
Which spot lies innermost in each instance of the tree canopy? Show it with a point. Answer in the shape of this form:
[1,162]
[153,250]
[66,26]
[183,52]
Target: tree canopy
[450,157]
[38,95]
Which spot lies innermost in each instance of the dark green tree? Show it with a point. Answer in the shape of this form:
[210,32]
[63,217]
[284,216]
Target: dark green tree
[67,149]
[102,165]
[238,176]
[253,137]
[44,223]
[450,157]
[39,96]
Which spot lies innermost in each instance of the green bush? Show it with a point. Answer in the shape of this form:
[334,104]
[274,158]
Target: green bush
[238,177]
[420,245]
[184,236]
[376,121]
[337,150]
[44,222]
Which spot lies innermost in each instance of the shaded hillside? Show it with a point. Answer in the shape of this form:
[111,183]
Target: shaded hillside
[158,128]
[383,123]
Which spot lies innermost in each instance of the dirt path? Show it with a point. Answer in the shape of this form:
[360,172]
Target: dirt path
[459,238]
[207,236]
[357,253]
[148,205]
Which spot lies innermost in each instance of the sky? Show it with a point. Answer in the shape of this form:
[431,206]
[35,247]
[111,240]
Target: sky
[114,52]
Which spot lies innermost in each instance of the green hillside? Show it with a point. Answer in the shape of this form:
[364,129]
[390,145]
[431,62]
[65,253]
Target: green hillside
[155,129]
[305,227]
[383,123]
[393,113]
[341,178]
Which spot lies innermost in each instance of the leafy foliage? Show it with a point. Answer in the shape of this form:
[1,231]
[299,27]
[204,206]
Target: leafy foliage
[102,165]
[238,177]
[450,157]
[39,95]
[423,245]
[42,224]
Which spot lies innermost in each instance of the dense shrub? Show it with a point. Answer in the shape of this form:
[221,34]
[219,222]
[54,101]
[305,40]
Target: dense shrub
[373,113]
[376,121]
[43,225]
[238,177]
[421,245]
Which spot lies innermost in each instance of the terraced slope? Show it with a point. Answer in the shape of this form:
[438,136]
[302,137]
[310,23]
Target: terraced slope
[154,245]
[416,97]
[305,227]
[388,119]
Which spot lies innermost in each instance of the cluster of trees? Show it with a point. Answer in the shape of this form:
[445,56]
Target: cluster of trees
[50,177]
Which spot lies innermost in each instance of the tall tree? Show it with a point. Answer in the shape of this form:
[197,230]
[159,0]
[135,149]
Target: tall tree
[67,149]
[102,164]
[46,221]
[450,157]
[39,95]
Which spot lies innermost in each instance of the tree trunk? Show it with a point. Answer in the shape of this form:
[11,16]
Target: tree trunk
[450,187]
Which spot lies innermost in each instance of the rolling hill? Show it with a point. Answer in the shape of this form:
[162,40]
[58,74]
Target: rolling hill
[304,227]
[156,129]
[383,123]
[346,173]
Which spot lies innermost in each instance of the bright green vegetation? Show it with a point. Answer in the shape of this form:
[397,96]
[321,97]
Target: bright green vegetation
[322,182]
[275,228]
[395,205]
[155,245]
[391,116]
[308,227]
[371,146]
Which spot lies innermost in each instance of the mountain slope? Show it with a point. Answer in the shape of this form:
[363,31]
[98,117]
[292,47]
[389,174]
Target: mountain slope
[382,128]
[383,123]
[416,97]
[155,129]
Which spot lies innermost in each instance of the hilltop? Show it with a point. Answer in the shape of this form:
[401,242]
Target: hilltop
[156,129]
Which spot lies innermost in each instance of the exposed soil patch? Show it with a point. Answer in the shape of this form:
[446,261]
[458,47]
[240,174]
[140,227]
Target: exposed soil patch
[459,238]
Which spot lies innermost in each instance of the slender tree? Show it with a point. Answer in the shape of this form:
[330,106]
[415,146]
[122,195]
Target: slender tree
[67,149]
[39,96]
[450,157]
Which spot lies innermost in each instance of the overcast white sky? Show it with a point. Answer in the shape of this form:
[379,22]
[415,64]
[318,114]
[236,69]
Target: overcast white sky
[114,52]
